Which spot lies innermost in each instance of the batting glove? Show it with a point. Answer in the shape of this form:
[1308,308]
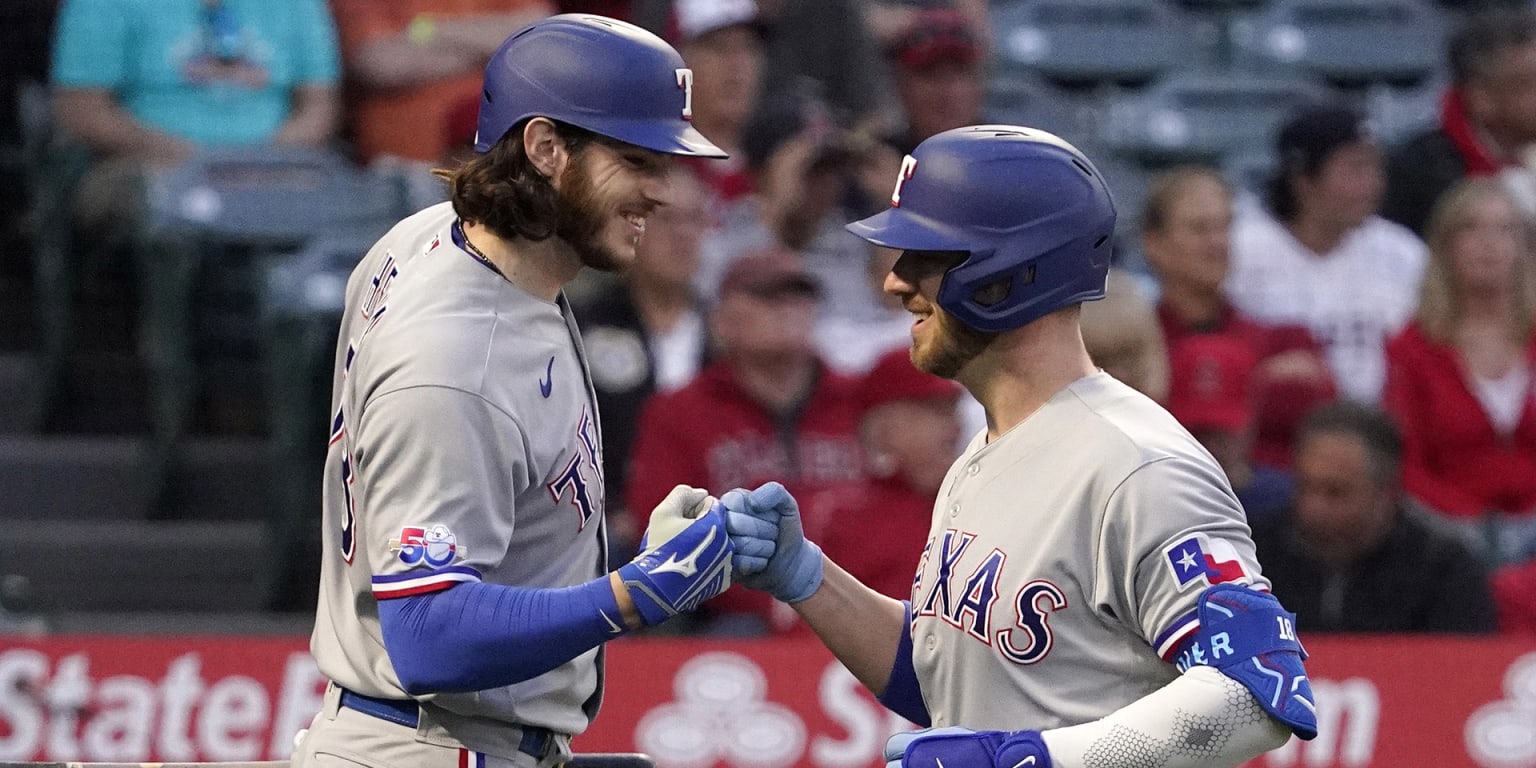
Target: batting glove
[678,574]
[772,553]
[677,511]
[955,747]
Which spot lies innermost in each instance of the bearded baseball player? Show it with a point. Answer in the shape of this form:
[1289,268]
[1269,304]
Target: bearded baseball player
[464,595]
[1088,597]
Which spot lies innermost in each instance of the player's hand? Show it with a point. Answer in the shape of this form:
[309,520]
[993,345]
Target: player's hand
[678,574]
[676,512]
[955,747]
[772,553]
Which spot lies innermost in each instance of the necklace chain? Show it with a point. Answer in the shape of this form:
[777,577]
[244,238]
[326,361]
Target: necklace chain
[476,252]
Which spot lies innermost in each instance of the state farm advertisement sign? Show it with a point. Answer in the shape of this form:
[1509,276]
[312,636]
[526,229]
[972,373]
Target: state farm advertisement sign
[1383,701]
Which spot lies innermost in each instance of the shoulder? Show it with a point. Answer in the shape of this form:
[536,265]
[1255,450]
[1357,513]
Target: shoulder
[1411,341]
[832,385]
[710,388]
[447,320]
[1128,429]
[1395,239]
[1257,235]
[1439,545]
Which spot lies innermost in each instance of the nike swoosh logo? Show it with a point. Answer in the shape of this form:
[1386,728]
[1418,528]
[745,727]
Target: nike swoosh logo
[613,629]
[1026,761]
[547,384]
[688,565]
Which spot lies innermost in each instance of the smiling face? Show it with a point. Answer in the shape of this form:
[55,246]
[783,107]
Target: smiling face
[668,255]
[941,345]
[606,192]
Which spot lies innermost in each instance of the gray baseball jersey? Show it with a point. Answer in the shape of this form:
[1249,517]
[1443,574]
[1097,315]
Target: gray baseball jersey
[464,447]
[1066,560]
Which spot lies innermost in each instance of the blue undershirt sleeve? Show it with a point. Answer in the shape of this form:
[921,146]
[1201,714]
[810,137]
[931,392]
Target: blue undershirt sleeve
[902,694]
[474,636]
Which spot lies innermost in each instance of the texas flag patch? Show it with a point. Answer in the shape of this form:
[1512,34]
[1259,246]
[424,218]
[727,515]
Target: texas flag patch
[1199,557]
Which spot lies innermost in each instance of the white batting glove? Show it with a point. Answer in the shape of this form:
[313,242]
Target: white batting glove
[677,511]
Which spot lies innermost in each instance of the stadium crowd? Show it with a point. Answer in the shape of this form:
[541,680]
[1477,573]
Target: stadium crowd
[1354,339]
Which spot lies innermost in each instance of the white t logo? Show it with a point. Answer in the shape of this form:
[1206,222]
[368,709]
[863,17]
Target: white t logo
[908,167]
[685,82]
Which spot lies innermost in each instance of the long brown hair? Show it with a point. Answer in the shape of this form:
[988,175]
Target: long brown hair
[502,191]
[1440,303]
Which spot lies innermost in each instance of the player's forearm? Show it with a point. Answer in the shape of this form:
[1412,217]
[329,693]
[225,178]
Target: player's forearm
[315,118]
[476,636]
[1200,720]
[400,62]
[484,33]
[92,117]
[859,625]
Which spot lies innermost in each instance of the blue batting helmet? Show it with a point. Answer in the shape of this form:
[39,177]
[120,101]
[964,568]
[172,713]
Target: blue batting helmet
[607,76]
[1032,211]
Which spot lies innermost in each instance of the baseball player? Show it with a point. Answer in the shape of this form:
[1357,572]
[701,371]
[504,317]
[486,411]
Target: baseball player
[464,596]
[1088,595]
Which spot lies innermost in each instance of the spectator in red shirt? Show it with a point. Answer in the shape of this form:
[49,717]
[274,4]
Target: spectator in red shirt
[1459,376]
[875,531]
[1185,226]
[768,409]
[1211,392]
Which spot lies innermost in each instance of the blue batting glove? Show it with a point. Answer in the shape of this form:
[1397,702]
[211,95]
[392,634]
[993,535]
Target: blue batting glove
[955,747]
[772,553]
[680,573]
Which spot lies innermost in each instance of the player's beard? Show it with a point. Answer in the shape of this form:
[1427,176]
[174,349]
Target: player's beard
[949,348]
[583,217]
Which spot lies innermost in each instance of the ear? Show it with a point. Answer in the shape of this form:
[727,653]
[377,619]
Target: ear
[545,149]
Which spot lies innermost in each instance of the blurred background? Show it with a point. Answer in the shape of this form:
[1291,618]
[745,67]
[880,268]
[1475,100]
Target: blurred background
[1323,269]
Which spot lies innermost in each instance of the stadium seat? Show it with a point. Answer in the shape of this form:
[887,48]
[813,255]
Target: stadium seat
[302,300]
[1086,42]
[211,220]
[51,169]
[1351,43]
[1204,116]
[1022,98]
[1396,113]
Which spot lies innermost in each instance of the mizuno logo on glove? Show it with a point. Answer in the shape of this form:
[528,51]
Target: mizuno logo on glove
[689,564]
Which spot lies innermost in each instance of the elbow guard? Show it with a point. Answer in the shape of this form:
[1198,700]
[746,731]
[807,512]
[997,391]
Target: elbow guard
[1249,637]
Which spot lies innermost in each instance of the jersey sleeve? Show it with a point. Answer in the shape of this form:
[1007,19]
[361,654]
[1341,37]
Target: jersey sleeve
[438,472]
[1172,529]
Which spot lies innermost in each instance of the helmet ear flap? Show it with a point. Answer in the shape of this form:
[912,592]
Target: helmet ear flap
[998,291]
